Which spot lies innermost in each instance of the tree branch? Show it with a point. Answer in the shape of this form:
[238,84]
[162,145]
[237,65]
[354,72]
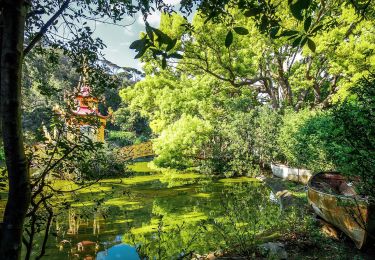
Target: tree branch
[48,225]
[45,27]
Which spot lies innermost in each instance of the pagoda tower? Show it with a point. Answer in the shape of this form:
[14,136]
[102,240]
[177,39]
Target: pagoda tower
[92,123]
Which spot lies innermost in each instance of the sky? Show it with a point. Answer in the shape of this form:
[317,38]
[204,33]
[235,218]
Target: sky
[118,38]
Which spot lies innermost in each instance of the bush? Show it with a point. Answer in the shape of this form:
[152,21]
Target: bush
[229,151]
[180,144]
[310,139]
[357,119]
[243,143]
[95,164]
[267,125]
[121,138]
[237,144]
[342,138]
[102,164]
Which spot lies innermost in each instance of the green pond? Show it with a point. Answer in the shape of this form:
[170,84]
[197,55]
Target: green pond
[161,215]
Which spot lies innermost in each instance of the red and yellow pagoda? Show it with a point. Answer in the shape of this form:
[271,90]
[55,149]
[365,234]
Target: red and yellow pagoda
[92,123]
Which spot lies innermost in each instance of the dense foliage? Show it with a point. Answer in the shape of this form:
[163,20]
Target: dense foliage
[238,81]
[233,109]
[340,139]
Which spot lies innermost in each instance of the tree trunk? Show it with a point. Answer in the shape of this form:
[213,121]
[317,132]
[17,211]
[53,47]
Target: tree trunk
[283,80]
[271,92]
[1,40]
[317,95]
[14,14]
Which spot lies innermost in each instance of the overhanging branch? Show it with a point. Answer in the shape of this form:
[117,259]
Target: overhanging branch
[45,27]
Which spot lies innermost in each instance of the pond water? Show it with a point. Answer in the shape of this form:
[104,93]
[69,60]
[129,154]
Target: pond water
[162,215]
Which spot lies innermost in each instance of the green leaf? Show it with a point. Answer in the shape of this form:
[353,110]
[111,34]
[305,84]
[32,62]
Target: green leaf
[252,12]
[311,44]
[304,3]
[149,32]
[229,39]
[162,37]
[175,55]
[156,52]
[164,63]
[288,33]
[141,52]
[317,28]
[292,37]
[298,7]
[303,41]
[296,42]
[138,44]
[241,30]
[263,23]
[210,16]
[171,45]
[296,12]
[274,31]
[307,23]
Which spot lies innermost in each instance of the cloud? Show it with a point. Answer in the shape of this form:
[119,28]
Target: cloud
[128,31]
[172,2]
[112,50]
[153,19]
[125,43]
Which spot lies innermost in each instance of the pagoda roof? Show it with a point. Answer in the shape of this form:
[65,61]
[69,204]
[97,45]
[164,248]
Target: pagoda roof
[85,91]
[85,111]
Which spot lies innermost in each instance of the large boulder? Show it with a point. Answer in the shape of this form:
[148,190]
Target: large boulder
[274,250]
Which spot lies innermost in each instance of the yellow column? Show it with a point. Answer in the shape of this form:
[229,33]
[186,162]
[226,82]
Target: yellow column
[100,135]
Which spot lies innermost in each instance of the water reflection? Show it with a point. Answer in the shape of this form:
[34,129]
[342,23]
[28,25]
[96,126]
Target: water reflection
[74,221]
[164,216]
[121,251]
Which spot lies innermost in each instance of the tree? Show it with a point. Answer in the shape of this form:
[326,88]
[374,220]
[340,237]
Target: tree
[13,15]
[273,66]
[227,87]
[125,127]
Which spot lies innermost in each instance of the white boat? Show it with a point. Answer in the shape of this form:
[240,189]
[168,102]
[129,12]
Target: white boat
[292,174]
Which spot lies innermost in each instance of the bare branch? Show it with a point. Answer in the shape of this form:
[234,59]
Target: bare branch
[44,28]
[46,233]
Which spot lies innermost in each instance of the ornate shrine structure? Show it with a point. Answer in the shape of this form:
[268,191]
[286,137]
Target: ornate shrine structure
[92,123]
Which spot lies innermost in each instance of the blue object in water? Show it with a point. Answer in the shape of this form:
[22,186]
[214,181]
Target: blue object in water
[118,239]
[121,251]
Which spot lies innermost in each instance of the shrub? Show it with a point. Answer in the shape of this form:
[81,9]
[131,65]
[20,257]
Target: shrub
[229,151]
[102,164]
[267,125]
[242,143]
[121,138]
[342,138]
[357,118]
[179,145]
[236,144]
[309,139]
